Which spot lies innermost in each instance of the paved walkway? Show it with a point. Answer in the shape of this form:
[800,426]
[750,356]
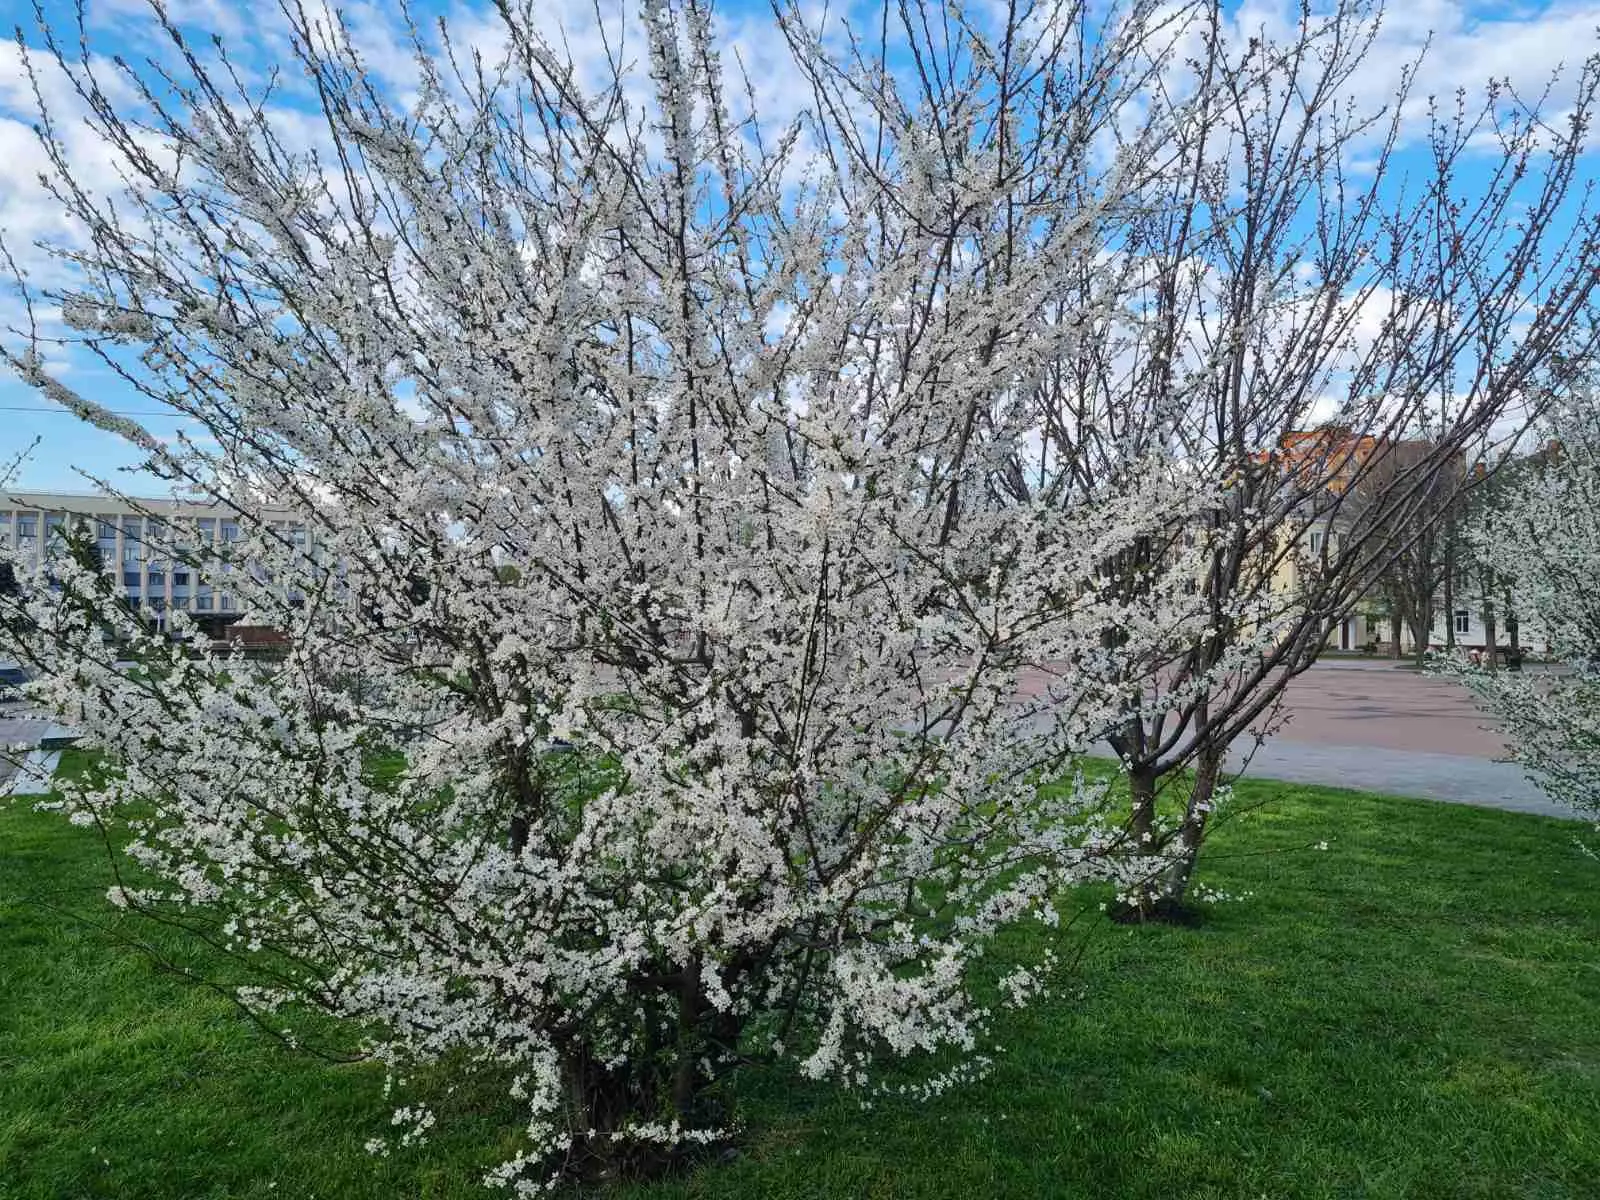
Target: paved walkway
[1379,727]
[1375,726]
[30,775]
[1455,778]
[1458,778]
[26,773]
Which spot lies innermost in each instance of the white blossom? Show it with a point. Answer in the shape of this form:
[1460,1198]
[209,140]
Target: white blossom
[648,690]
[1542,536]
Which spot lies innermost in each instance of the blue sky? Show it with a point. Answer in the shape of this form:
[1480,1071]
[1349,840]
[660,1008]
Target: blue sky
[1470,43]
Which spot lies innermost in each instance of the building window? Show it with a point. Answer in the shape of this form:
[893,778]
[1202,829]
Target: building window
[105,537]
[226,603]
[202,602]
[1316,543]
[1463,621]
[131,579]
[27,535]
[5,530]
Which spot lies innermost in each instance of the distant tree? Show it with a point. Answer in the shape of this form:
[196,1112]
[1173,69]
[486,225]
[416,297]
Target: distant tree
[1413,541]
[1542,538]
[1477,578]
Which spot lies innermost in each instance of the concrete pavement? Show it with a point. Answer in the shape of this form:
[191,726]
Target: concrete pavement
[26,772]
[1373,725]
[1457,778]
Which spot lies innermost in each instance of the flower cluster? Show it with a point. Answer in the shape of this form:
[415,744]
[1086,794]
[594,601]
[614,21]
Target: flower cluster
[647,696]
[1543,537]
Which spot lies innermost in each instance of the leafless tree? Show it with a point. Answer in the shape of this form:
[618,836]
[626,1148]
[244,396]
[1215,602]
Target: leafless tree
[1312,259]
[1416,543]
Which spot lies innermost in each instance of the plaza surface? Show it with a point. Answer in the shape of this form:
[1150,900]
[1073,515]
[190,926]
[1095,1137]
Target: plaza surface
[26,767]
[1378,727]
[1374,725]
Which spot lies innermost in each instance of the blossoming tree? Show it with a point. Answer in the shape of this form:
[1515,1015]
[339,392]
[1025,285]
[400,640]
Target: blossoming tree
[651,608]
[1541,537]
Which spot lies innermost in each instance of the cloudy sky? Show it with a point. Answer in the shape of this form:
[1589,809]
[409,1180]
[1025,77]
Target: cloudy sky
[1468,44]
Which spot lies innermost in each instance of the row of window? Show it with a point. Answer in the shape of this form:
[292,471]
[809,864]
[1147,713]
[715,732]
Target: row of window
[139,536]
[201,604]
[134,550]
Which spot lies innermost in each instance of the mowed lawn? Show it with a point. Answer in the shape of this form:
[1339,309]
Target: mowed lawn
[1413,1012]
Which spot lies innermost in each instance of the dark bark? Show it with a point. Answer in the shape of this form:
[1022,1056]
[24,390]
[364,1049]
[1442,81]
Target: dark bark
[1164,897]
[1421,625]
[674,1080]
[1491,649]
[1449,587]
[1142,794]
[1513,632]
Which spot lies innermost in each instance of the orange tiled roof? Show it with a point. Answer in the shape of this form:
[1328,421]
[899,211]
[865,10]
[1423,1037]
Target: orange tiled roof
[1334,450]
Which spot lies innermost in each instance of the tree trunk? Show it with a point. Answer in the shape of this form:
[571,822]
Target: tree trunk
[1449,588]
[1514,633]
[675,1081]
[1142,798]
[1491,651]
[603,1101]
[1178,877]
[1394,635]
[1421,623]
[1163,897]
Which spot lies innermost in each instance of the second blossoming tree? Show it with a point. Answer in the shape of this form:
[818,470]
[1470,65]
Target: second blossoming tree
[1541,537]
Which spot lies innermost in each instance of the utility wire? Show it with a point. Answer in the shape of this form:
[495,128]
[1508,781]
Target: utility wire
[120,412]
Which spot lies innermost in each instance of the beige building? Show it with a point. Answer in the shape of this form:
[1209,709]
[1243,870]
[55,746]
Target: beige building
[1357,628]
[134,540]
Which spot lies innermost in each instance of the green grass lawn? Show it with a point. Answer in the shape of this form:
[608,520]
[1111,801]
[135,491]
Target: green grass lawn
[1413,1012]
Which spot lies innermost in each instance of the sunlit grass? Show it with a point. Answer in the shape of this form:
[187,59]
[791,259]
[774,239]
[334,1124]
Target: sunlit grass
[1413,1012]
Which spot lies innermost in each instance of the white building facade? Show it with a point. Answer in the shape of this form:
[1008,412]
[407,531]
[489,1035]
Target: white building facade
[140,543]
[1466,628]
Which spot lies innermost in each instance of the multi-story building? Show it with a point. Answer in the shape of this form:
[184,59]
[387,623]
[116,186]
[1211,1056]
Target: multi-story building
[1305,543]
[1369,623]
[134,540]
[1346,471]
